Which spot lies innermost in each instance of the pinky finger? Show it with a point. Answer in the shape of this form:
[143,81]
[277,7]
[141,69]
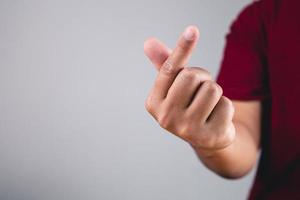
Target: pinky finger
[222,113]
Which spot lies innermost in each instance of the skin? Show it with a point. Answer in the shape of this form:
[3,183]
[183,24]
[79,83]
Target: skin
[188,103]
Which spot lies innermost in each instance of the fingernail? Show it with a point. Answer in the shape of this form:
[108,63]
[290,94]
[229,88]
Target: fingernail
[189,34]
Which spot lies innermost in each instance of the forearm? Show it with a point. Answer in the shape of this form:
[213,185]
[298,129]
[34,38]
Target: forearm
[237,159]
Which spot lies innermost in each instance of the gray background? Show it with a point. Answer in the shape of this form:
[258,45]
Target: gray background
[73,80]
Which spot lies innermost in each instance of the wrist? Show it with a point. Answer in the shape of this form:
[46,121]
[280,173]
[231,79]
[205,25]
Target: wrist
[208,153]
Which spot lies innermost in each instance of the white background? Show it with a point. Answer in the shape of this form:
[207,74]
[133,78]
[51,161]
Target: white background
[73,80]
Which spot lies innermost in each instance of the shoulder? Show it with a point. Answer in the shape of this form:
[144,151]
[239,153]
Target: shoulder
[259,10]
[251,22]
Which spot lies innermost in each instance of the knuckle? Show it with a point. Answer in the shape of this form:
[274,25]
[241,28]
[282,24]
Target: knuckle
[204,73]
[213,88]
[168,68]
[148,105]
[196,73]
[185,132]
[190,74]
[227,103]
[165,121]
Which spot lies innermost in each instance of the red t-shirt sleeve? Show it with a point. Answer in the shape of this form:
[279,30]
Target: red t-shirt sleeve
[243,73]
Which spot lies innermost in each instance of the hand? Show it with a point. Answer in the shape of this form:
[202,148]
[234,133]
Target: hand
[185,100]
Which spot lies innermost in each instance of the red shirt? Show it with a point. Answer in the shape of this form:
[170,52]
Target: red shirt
[262,62]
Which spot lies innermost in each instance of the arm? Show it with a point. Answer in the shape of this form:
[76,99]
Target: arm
[188,103]
[243,75]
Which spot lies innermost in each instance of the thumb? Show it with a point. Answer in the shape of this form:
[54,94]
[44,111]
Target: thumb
[156,51]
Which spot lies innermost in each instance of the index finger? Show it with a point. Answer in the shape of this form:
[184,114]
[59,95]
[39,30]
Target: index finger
[176,61]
